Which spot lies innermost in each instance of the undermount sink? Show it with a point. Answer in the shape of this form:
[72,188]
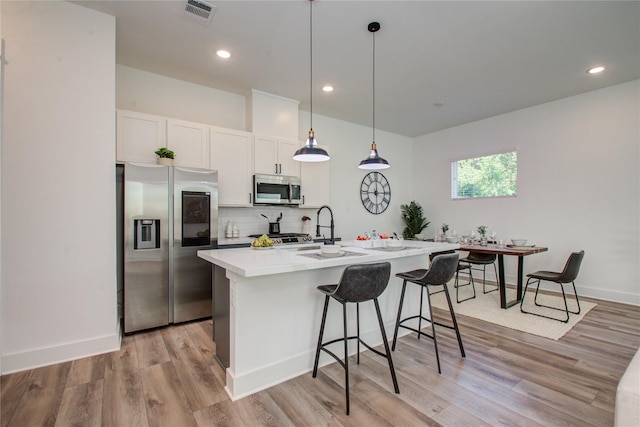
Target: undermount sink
[308,248]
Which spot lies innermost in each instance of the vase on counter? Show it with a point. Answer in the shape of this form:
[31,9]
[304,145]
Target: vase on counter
[306,228]
[483,240]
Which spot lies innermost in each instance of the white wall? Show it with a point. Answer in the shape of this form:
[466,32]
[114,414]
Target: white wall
[138,90]
[58,187]
[578,185]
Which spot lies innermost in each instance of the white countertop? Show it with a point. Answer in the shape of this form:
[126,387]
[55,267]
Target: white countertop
[249,262]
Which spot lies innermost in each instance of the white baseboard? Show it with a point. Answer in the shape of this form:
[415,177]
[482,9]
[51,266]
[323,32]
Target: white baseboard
[61,353]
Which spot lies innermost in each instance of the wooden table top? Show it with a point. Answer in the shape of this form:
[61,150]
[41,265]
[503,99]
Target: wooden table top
[503,249]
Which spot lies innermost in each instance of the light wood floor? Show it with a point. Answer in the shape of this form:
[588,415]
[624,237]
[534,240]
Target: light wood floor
[168,377]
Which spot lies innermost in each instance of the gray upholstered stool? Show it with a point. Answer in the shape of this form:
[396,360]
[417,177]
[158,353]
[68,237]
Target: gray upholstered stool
[442,269]
[359,283]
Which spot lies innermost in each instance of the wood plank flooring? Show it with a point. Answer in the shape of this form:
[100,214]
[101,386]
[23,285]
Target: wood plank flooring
[509,378]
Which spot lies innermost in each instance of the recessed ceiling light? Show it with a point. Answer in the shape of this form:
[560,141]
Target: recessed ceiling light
[596,70]
[327,88]
[223,54]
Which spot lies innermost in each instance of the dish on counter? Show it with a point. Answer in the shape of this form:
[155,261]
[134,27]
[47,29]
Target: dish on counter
[521,246]
[332,254]
[262,247]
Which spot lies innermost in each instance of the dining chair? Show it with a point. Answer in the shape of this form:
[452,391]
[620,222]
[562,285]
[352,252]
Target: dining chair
[568,275]
[476,260]
[359,283]
[442,269]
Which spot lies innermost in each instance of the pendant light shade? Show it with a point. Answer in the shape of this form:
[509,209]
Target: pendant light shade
[311,152]
[374,161]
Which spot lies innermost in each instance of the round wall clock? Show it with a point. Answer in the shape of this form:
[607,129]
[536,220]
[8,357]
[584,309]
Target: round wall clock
[375,192]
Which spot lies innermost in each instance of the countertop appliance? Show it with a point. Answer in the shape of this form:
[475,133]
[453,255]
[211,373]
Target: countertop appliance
[169,214]
[276,190]
[287,238]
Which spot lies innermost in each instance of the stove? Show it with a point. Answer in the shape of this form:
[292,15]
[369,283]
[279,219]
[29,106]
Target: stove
[287,238]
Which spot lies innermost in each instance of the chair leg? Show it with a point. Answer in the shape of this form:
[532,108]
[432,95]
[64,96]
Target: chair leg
[395,332]
[453,319]
[420,312]
[386,347]
[324,319]
[346,355]
[484,281]
[433,329]
[564,298]
[470,282]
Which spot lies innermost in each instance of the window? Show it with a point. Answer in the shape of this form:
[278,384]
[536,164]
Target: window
[488,176]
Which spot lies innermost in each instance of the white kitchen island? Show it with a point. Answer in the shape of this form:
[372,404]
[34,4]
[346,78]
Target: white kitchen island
[267,309]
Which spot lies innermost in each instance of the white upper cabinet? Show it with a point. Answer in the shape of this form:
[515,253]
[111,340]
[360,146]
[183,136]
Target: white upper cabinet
[274,156]
[231,156]
[315,183]
[190,143]
[139,135]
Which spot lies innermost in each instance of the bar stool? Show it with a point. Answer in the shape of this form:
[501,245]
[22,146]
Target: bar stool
[440,272]
[359,283]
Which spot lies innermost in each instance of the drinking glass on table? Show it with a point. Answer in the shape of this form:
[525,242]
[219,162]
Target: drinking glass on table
[493,236]
[473,235]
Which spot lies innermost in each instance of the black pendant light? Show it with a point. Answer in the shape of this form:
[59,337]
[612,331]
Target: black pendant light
[374,161]
[311,152]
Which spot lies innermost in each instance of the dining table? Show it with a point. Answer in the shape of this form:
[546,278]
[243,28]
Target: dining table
[501,251]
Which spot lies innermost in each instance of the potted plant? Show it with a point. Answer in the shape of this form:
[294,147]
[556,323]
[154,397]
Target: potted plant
[414,219]
[482,230]
[444,228]
[165,156]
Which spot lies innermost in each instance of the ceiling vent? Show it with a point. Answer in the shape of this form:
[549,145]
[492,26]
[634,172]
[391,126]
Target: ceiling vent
[199,11]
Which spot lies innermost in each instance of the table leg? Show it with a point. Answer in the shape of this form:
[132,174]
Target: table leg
[502,284]
[518,286]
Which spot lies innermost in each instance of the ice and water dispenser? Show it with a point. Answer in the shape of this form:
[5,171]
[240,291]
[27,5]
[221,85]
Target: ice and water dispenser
[147,234]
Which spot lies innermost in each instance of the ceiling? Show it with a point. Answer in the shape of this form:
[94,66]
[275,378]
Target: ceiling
[477,59]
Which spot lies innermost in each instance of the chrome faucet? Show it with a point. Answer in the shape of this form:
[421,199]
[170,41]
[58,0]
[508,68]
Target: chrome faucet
[318,226]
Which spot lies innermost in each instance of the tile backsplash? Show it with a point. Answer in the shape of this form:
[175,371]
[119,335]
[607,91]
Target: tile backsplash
[249,220]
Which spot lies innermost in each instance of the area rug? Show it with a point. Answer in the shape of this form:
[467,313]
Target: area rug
[487,307]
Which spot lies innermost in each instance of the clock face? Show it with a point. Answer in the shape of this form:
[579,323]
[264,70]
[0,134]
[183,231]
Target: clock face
[375,192]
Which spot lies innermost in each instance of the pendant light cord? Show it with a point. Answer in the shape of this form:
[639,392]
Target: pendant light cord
[374,87]
[311,64]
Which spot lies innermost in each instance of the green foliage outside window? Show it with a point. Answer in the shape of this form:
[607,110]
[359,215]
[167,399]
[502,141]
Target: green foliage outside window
[488,176]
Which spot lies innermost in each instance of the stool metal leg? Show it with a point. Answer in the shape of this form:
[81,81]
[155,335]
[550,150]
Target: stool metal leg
[346,355]
[324,319]
[433,328]
[453,318]
[395,333]
[358,332]
[386,347]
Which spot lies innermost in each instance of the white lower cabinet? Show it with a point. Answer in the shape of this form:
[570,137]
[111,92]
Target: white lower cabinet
[231,155]
[315,183]
[190,143]
[139,135]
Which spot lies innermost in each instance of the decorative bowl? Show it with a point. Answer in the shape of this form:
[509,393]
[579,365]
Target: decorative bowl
[519,242]
[453,239]
[421,236]
[330,249]
[394,243]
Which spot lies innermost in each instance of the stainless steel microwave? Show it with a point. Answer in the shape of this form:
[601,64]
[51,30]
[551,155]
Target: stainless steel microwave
[276,190]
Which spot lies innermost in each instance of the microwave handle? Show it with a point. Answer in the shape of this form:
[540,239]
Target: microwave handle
[290,192]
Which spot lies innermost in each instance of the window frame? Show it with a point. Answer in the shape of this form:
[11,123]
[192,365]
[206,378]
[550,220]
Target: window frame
[454,173]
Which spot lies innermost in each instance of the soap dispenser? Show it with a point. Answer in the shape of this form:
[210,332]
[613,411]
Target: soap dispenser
[234,230]
[228,231]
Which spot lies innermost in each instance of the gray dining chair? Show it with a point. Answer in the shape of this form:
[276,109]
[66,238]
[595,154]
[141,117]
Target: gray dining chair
[568,275]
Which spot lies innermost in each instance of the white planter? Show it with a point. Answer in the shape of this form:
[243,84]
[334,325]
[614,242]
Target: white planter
[165,161]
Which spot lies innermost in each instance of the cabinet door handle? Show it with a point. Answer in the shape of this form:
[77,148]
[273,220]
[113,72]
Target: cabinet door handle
[303,200]
[276,165]
[250,198]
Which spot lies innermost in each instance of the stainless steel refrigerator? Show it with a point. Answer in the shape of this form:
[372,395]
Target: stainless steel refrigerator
[168,214]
